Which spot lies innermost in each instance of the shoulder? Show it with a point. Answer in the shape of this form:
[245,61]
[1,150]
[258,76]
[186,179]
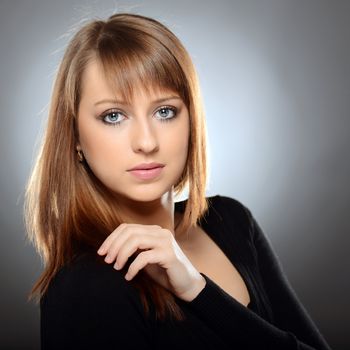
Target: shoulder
[88,280]
[88,304]
[238,215]
[228,202]
[229,209]
[85,271]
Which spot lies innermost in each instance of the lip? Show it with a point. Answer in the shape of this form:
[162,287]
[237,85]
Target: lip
[147,174]
[147,166]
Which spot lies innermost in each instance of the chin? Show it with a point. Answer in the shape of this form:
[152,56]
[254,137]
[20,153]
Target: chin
[148,193]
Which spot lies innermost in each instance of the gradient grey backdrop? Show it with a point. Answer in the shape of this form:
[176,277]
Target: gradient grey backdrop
[275,82]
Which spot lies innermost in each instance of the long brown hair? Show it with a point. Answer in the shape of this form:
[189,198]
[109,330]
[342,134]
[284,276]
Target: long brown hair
[67,210]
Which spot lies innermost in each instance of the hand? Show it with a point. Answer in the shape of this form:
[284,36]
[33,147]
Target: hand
[159,254]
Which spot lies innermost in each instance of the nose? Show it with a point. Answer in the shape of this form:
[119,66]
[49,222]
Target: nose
[144,138]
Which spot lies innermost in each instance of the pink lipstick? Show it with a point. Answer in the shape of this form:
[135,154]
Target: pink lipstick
[147,171]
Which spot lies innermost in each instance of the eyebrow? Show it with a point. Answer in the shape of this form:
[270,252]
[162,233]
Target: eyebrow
[125,103]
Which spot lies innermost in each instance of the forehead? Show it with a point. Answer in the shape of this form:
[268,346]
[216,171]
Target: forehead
[95,84]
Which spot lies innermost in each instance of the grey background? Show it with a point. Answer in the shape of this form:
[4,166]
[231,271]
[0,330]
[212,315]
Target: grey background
[275,82]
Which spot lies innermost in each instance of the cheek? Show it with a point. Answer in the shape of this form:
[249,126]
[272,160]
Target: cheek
[177,143]
[102,148]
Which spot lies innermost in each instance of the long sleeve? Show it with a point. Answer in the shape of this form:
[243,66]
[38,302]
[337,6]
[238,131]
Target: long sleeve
[89,306]
[288,311]
[239,326]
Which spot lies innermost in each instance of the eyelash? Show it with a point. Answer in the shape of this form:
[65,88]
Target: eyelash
[115,111]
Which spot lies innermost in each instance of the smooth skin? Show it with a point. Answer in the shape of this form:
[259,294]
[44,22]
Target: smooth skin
[149,130]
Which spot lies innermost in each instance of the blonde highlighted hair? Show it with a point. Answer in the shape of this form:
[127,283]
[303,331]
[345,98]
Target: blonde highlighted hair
[68,211]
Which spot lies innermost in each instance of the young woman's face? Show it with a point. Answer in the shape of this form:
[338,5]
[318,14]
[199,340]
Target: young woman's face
[116,137]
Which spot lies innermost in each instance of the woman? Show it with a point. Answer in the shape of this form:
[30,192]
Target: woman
[125,265]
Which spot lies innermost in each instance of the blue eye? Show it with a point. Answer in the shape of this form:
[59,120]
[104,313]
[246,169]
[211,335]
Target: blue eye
[165,111]
[112,116]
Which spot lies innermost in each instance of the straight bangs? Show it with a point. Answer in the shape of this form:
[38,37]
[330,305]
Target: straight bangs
[133,59]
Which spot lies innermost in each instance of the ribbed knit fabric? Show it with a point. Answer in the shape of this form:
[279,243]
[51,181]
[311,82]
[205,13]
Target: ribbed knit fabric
[91,306]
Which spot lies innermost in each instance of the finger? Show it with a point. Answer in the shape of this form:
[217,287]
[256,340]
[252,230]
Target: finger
[144,258]
[131,245]
[107,242]
[125,234]
[118,231]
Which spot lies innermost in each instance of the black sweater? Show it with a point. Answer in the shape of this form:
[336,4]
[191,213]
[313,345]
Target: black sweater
[91,306]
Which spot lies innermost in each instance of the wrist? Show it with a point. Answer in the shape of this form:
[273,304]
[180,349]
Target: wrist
[197,288]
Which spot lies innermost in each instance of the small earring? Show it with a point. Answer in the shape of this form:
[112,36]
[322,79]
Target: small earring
[80,156]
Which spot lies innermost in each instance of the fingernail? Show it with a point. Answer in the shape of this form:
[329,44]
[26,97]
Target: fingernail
[107,258]
[116,266]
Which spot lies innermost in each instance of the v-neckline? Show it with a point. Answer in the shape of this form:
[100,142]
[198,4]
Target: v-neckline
[206,227]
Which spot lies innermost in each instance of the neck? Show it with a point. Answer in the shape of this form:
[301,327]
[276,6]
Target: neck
[160,211]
